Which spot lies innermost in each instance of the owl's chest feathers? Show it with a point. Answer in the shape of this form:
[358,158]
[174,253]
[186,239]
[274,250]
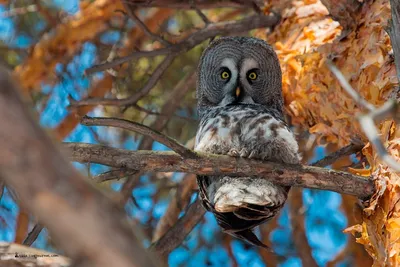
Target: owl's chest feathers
[243,127]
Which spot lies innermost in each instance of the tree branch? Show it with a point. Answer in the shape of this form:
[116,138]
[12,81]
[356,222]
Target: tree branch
[180,200]
[142,129]
[296,210]
[348,88]
[220,28]
[179,4]
[199,13]
[390,108]
[57,195]
[171,104]
[142,25]
[175,236]
[33,235]
[344,151]
[152,81]
[188,221]
[210,164]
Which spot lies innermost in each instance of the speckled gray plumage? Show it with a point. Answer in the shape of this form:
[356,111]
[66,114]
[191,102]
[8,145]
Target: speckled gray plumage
[249,125]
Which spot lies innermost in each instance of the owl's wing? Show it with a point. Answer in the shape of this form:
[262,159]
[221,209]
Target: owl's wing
[203,182]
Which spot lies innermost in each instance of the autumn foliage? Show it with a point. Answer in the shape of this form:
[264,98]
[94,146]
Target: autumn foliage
[315,99]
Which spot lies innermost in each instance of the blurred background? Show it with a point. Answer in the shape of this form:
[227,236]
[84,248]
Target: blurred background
[49,44]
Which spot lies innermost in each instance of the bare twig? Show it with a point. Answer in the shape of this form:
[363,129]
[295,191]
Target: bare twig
[210,164]
[367,120]
[142,129]
[114,48]
[136,19]
[2,186]
[388,110]
[52,21]
[113,175]
[155,113]
[126,190]
[172,103]
[199,13]
[370,130]
[349,89]
[270,259]
[344,151]
[33,235]
[158,72]
[221,28]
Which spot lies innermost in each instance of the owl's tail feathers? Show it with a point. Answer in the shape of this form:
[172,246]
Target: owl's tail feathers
[240,222]
[250,237]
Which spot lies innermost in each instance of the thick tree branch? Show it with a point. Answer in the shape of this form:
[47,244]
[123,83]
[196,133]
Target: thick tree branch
[212,30]
[57,195]
[189,222]
[210,164]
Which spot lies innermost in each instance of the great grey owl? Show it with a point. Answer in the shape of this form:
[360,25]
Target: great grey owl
[240,105]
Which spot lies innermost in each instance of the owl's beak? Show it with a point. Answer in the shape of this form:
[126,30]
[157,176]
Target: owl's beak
[237,92]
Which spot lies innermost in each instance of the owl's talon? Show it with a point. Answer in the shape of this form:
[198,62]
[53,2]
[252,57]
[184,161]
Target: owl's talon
[233,152]
[253,155]
[244,153]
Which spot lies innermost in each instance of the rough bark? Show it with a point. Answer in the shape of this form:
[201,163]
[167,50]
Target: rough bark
[210,164]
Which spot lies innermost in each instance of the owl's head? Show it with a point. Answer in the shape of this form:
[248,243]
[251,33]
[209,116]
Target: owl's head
[234,70]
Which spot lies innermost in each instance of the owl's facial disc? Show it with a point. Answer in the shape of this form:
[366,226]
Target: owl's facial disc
[246,63]
[234,91]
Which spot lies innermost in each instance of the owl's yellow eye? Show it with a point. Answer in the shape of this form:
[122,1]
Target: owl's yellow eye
[252,75]
[225,75]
